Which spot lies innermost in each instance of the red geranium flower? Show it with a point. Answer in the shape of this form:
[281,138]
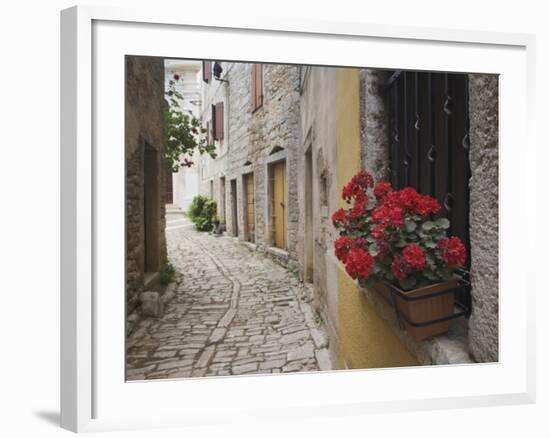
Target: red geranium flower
[342,246]
[426,205]
[339,218]
[384,249]
[378,232]
[382,189]
[364,179]
[357,187]
[359,263]
[414,256]
[389,215]
[399,268]
[408,197]
[452,251]
[396,217]
[359,208]
[176,77]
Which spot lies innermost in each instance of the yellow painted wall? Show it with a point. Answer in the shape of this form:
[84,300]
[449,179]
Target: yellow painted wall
[366,341]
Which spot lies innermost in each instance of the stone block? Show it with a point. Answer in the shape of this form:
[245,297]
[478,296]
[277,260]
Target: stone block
[151,304]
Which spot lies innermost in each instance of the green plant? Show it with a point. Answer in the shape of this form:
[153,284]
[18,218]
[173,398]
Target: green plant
[202,212]
[183,133]
[167,272]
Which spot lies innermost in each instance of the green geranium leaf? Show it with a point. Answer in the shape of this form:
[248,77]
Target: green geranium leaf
[428,225]
[410,225]
[443,222]
[430,275]
[401,243]
[407,283]
[429,243]
[373,249]
[444,272]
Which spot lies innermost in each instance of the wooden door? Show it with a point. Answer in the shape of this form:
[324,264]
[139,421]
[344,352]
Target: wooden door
[249,190]
[279,204]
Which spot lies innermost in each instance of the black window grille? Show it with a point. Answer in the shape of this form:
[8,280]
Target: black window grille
[429,144]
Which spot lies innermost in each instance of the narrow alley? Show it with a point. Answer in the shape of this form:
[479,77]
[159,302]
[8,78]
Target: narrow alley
[233,311]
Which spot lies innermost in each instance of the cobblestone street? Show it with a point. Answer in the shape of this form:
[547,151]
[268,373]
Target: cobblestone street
[234,311]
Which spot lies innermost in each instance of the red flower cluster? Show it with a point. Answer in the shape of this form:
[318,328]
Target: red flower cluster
[359,263]
[357,187]
[452,251]
[414,256]
[407,197]
[359,208]
[382,189]
[415,203]
[339,218]
[426,205]
[342,246]
[399,268]
[373,234]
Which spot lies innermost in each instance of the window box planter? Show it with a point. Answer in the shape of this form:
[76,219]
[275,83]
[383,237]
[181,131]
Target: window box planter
[426,311]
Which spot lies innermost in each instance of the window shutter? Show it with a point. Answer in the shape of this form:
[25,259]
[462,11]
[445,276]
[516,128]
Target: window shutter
[219,121]
[213,123]
[253,87]
[256,86]
[206,71]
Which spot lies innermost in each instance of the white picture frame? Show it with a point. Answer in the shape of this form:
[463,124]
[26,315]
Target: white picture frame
[93,397]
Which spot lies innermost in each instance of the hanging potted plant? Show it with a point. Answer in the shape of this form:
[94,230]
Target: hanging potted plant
[390,242]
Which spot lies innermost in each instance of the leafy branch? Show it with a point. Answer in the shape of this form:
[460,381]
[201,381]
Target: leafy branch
[183,132]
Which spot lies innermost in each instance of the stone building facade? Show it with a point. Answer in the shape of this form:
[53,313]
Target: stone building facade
[256,161]
[145,211]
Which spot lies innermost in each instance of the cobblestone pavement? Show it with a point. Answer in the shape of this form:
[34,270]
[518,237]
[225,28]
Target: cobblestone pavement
[234,311]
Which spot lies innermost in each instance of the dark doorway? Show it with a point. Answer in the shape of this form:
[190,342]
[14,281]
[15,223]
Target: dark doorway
[151,209]
[221,205]
[308,199]
[234,217]
[169,186]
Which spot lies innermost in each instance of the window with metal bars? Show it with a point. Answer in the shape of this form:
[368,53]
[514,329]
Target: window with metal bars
[429,144]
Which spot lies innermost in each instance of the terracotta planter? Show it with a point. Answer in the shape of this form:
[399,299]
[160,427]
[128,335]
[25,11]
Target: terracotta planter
[423,310]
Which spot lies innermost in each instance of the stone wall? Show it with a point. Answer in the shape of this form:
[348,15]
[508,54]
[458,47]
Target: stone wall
[483,324]
[144,131]
[374,125]
[318,144]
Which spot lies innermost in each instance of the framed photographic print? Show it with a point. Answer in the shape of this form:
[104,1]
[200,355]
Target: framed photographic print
[279,217]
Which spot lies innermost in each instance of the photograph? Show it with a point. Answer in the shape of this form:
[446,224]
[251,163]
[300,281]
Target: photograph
[285,218]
